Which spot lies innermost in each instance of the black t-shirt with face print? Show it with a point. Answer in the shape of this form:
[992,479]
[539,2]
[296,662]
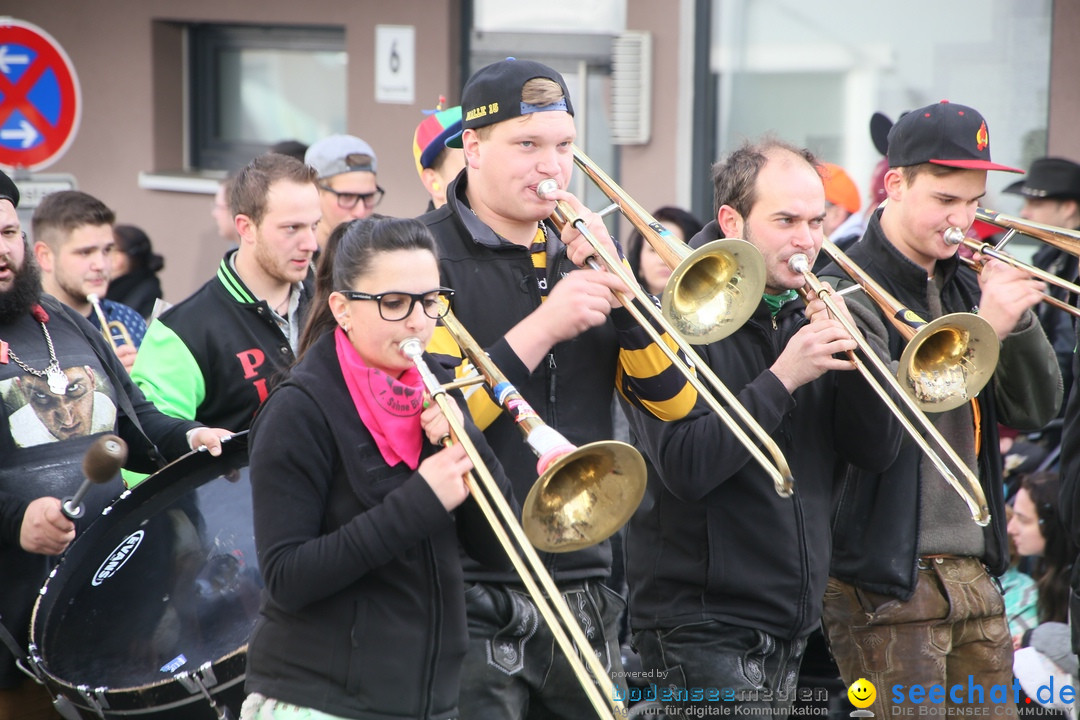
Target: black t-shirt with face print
[44,434]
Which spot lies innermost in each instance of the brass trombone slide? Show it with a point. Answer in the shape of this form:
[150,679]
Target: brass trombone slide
[712,291]
[778,468]
[582,495]
[946,362]
[1061,238]
[500,516]
[975,499]
[1058,237]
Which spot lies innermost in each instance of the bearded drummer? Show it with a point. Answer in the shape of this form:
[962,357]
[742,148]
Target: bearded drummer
[50,356]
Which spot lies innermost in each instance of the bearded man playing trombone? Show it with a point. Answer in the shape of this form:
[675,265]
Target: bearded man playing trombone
[912,600]
[725,574]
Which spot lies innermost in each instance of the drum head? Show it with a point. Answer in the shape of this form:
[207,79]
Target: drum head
[162,585]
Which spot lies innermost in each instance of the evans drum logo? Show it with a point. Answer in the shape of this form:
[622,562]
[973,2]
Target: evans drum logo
[117,558]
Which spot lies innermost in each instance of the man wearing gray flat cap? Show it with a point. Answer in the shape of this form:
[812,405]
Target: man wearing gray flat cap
[348,190]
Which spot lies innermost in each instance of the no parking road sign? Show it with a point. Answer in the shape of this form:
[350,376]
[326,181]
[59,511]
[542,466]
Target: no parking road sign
[39,97]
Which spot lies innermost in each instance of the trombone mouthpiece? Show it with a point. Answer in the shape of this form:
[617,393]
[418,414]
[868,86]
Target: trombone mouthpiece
[546,187]
[798,263]
[411,348]
[954,235]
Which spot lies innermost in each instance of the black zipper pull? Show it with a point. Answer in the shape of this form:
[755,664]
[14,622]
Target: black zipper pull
[551,377]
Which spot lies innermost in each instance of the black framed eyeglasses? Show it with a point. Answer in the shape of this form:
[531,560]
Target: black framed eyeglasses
[394,306]
[347,201]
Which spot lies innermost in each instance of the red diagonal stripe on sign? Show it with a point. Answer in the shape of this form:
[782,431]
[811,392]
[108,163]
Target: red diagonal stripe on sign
[16,97]
[19,96]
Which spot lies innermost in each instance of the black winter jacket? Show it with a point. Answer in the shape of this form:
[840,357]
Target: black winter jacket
[138,289]
[876,532]
[719,543]
[571,392]
[1070,469]
[363,614]
[215,356]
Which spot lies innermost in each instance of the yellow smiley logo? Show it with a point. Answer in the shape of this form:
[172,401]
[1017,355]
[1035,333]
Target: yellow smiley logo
[862,693]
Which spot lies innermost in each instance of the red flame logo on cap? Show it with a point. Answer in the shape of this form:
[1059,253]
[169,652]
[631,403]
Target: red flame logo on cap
[982,137]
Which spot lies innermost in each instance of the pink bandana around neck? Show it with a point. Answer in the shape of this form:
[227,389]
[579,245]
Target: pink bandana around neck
[389,408]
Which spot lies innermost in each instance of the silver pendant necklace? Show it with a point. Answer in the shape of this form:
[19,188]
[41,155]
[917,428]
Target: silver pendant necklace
[58,381]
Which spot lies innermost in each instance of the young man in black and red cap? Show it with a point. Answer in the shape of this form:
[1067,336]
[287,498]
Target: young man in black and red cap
[912,601]
[555,331]
[1051,191]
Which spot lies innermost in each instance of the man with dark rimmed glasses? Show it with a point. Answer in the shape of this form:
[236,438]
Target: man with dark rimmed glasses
[346,167]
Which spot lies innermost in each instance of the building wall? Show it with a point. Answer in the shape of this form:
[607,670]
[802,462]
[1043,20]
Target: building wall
[128,56]
[1063,138]
[649,172]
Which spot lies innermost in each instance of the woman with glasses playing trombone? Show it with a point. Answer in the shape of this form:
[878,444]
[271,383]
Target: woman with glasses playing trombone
[358,506]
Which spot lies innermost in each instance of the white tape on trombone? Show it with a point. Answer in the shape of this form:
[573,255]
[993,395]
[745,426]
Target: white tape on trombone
[849,289]
[469,371]
[548,444]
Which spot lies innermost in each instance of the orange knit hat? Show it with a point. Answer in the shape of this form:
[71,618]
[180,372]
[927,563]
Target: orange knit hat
[840,188]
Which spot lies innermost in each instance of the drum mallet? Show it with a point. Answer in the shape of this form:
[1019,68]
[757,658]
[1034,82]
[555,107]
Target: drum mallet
[100,464]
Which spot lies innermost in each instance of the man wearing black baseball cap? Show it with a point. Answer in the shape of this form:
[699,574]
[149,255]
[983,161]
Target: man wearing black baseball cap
[555,330]
[912,600]
[1051,192]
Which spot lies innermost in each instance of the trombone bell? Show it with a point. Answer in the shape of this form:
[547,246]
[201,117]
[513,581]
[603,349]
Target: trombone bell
[948,361]
[705,299]
[584,494]
[584,497]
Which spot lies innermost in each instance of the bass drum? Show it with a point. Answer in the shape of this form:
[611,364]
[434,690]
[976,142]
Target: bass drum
[149,613]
